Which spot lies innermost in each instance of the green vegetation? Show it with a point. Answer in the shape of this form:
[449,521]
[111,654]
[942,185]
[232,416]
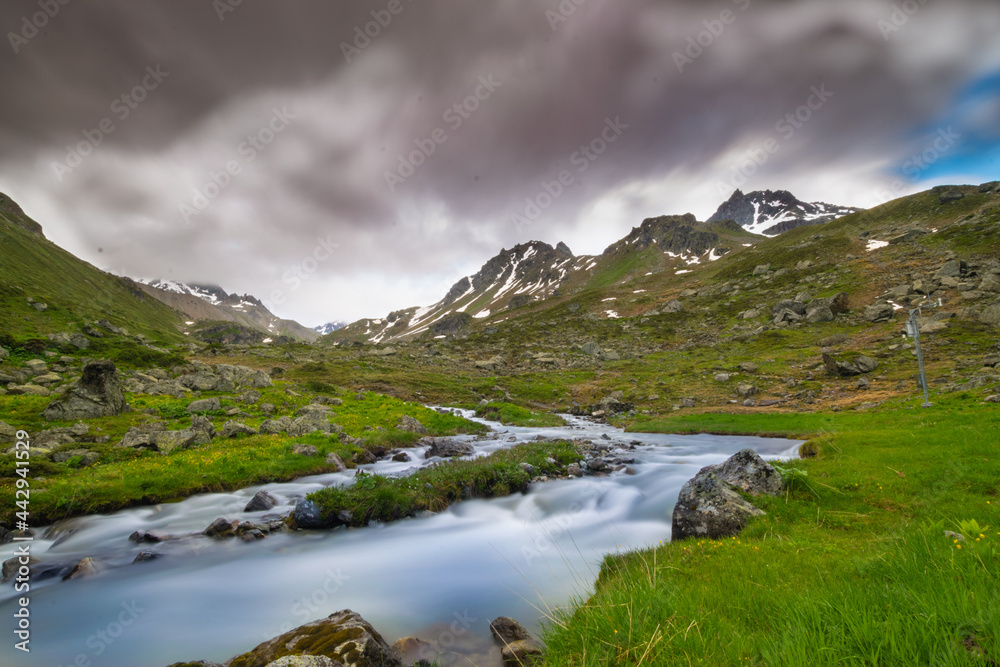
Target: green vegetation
[850,567]
[124,477]
[377,498]
[512,415]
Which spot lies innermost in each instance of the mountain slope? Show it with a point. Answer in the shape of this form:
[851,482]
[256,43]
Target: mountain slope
[212,303]
[771,212]
[533,274]
[74,292]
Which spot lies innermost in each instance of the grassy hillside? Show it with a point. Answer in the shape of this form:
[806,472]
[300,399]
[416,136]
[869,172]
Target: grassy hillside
[75,293]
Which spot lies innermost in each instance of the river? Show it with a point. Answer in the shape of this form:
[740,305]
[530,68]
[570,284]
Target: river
[441,577]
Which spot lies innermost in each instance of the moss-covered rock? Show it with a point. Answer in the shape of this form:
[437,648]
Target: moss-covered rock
[344,637]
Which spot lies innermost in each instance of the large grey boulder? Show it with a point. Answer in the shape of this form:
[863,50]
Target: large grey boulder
[233,429]
[309,423]
[7,432]
[307,515]
[276,426]
[204,405]
[344,637]
[848,364]
[819,314]
[444,448]
[168,441]
[97,394]
[408,423]
[709,505]
[880,312]
[796,307]
[261,501]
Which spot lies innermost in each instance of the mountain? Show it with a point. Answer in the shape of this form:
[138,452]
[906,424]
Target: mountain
[45,289]
[329,327]
[200,303]
[772,212]
[533,273]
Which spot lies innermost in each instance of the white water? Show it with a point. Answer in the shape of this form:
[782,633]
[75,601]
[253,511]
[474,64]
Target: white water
[203,599]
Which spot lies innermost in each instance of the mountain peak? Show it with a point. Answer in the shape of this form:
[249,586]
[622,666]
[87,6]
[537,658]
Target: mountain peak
[771,212]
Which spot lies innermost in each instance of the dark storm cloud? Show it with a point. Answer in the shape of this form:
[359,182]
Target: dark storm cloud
[548,82]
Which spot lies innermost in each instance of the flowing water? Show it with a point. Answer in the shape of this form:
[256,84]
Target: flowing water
[441,577]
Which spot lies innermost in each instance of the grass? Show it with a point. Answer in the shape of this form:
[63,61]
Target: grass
[853,568]
[124,477]
[513,415]
[378,498]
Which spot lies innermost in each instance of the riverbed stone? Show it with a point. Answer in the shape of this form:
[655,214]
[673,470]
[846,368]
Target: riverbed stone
[307,515]
[344,637]
[85,568]
[261,501]
[445,448]
[221,527]
[335,461]
[747,471]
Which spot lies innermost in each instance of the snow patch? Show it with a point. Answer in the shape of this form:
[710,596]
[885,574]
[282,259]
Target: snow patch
[876,245]
[612,315]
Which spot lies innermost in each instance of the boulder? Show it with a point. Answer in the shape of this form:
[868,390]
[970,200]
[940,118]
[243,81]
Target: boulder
[748,367]
[168,441]
[36,366]
[992,186]
[761,269]
[951,269]
[335,461]
[7,432]
[949,196]
[97,394]
[344,637]
[880,312]
[796,307]
[672,306]
[79,341]
[819,314]
[276,426]
[848,364]
[204,405]
[261,501]
[233,429]
[747,471]
[205,427]
[990,315]
[310,423]
[989,283]
[445,448]
[85,568]
[408,423]
[364,457]
[708,507]
[29,390]
[591,349]
[87,457]
[304,450]
[746,390]
[307,515]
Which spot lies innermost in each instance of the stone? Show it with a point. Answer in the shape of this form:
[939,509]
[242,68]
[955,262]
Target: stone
[4,353]
[747,471]
[27,390]
[309,423]
[305,661]
[144,537]
[304,450]
[995,398]
[275,426]
[233,429]
[880,312]
[444,448]
[748,367]
[220,528]
[344,637]
[518,646]
[723,377]
[746,390]
[574,470]
[992,186]
[408,423]
[97,394]
[335,461]
[591,349]
[819,315]
[761,269]
[796,307]
[521,653]
[169,441]
[143,557]
[864,384]
[85,568]
[307,515]
[204,405]
[36,366]
[950,196]
[672,306]
[708,507]
[48,378]
[364,457]
[989,283]
[687,403]
[952,269]
[7,432]
[261,501]
[204,426]
[79,341]
[87,457]
[848,364]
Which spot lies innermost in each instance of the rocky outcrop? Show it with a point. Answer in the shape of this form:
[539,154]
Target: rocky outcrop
[709,504]
[444,448]
[411,424]
[848,364]
[344,637]
[97,394]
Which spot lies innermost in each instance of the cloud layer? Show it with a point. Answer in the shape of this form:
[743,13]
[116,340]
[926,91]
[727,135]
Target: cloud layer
[282,151]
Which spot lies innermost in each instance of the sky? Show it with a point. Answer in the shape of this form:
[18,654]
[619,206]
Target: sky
[341,160]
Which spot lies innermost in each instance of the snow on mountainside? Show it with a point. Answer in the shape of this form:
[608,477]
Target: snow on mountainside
[329,327]
[210,302]
[771,212]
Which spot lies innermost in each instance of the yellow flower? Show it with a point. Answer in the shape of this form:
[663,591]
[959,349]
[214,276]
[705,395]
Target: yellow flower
[958,546]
